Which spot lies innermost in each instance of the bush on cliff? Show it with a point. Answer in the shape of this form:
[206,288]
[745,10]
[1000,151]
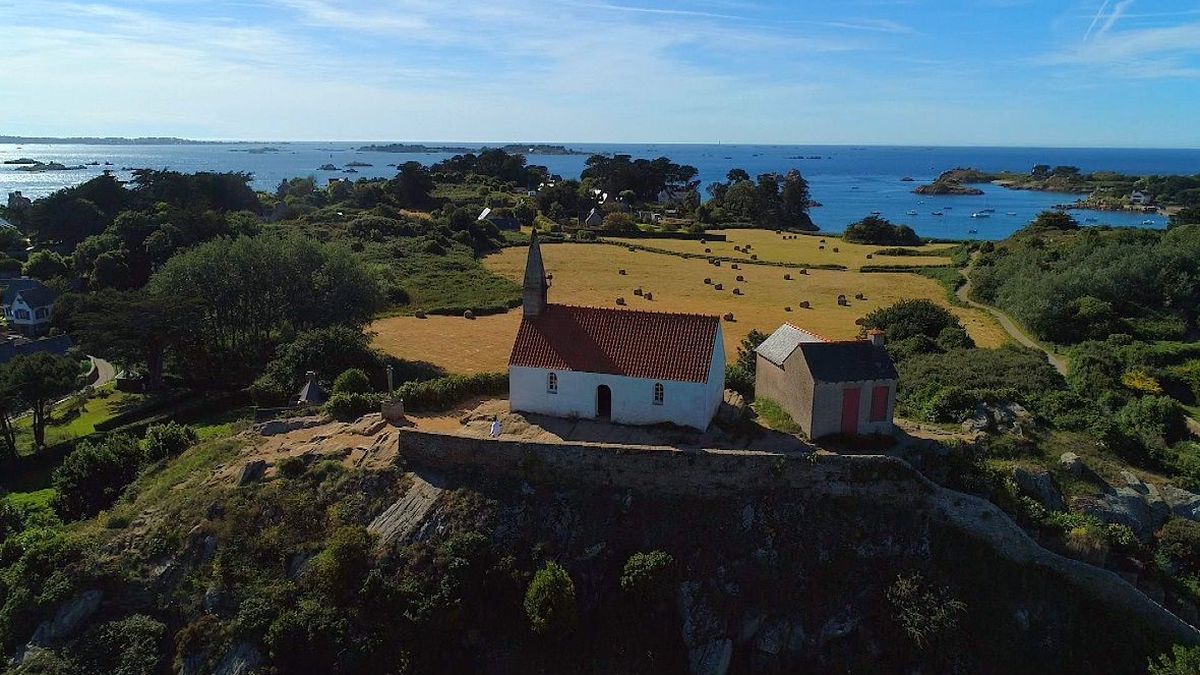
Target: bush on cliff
[550,601]
[91,478]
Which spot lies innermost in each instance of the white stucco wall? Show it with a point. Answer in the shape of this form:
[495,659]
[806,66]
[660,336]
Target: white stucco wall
[32,323]
[687,404]
[827,408]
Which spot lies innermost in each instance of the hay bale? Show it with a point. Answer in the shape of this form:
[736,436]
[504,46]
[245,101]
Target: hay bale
[822,241]
[637,291]
[632,249]
[734,266]
[859,296]
[870,256]
[787,309]
[843,301]
[707,281]
[469,315]
[420,315]
[754,257]
[717,263]
[708,250]
[835,249]
[737,291]
[741,278]
[719,287]
[621,301]
[821,247]
[728,317]
[787,277]
[804,304]
[621,272]
[649,296]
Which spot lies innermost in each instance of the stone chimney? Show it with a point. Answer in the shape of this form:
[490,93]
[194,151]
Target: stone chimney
[533,295]
[875,336]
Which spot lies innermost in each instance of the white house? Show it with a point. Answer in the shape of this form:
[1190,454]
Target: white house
[630,367]
[1139,198]
[828,388]
[28,305]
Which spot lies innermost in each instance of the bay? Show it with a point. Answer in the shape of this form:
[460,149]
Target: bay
[849,181]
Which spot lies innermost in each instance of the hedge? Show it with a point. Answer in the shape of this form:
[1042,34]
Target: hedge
[446,392]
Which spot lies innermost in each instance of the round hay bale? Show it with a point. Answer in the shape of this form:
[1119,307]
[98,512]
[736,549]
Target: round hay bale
[804,304]
[737,291]
[703,240]
[717,263]
[649,296]
[728,317]
[870,256]
[787,309]
[741,278]
[468,314]
[859,296]
[822,241]
[842,300]
[787,277]
[708,250]
[734,266]
[621,272]
[707,281]
[754,257]
[621,301]
[637,291]
[420,315]
[821,247]
[835,249]
[804,271]
[719,287]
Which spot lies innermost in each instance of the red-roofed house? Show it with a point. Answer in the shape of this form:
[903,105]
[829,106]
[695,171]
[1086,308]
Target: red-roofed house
[630,367]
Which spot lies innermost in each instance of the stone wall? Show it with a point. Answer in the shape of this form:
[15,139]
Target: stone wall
[725,473]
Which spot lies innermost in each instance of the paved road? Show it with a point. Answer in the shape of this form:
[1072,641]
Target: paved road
[1014,331]
[106,371]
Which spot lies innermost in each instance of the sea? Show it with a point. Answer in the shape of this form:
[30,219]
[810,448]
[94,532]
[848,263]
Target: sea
[849,182]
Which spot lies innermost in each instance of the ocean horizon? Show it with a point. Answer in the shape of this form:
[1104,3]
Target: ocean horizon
[849,181]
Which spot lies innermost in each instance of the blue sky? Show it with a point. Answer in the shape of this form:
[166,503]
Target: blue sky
[1120,73]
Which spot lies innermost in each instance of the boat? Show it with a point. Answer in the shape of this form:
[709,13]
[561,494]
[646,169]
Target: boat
[988,211]
[1149,222]
[912,213]
[981,214]
[972,231]
[937,213]
[1011,213]
[876,213]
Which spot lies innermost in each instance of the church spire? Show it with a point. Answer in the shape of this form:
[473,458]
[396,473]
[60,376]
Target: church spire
[533,295]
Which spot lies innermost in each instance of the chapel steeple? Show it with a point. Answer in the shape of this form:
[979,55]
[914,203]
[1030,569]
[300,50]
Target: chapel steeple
[533,295]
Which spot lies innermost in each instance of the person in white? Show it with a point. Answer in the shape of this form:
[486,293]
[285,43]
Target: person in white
[495,428]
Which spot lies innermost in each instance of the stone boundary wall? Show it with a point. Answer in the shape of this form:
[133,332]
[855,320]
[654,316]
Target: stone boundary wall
[731,473]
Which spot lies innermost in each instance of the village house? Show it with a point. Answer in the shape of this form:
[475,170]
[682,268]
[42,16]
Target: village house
[624,366]
[845,387]
[28,305]
[1139,198]
[501,219]
[594,220]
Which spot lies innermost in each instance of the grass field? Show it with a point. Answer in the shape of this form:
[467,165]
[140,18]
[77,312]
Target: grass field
[95,410]
[803,250]
[587,274]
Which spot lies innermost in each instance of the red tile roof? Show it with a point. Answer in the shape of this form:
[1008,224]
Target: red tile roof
[650,345]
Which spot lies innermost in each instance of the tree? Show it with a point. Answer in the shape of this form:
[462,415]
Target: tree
[45,265]
[648,575]
[1053,220]
[352,381]
[912,318]
[1185,216]
[619,221]
[92,477]
[9,405]
[550,600]
[163,441]
[876,230]
[412,186]
[1041,171]
[39,380]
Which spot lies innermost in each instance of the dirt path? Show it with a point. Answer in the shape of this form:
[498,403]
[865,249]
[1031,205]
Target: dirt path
[1014,331]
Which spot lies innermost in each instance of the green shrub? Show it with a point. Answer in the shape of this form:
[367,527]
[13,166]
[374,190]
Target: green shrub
[347,407]
[291,467]
[550,601]
[447,392]
[130,646]
[1181,661]
[648,575]
[92,477]
[340,568]
[269,392]
[924,612]
[1154,421]
[1179,541]
[352,381]
[739,380]
[308,637]
[167,440]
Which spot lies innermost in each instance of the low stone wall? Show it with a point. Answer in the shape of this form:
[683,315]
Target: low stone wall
[725,473]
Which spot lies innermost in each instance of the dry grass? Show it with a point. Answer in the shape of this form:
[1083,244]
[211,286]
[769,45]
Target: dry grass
[587,274]
[804,249]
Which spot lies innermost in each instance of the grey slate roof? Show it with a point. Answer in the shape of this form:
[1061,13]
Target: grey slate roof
[38,296]
[14,286]
[856,361]
[783,342]
[58,345]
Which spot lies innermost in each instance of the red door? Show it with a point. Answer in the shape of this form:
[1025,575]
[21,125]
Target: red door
[850,398]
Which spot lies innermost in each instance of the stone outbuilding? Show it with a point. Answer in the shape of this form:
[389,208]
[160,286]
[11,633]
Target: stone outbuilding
[828,387]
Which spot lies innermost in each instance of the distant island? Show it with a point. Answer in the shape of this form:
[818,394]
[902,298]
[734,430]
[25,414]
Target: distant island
[256,151]
[113,140]
[512,148]
[39,167]
[954,182]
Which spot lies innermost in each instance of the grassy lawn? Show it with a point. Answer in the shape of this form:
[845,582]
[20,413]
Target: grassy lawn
[775,417]
[587,274]
[97,409]
[223,424]
[804,249]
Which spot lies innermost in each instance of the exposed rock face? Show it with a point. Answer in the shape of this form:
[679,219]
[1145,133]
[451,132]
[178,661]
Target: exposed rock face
[1041,487]
[1124,506]
[1183,504]
[69,618]
[402,518]
[284,426]
[241,659]
[1072,463]
[252,471]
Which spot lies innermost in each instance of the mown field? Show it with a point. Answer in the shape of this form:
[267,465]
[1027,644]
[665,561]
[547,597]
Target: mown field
[803,249]
[588,274]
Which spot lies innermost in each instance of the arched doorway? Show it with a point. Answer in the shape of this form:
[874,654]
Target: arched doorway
[603,401]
